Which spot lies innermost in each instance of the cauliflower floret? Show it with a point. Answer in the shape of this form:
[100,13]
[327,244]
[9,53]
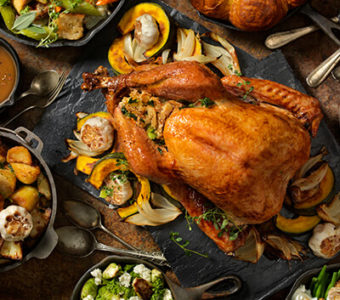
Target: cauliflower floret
[143,272]
[97,274]
[125,279]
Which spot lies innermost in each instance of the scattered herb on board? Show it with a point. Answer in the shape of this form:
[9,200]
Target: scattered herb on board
[175,237]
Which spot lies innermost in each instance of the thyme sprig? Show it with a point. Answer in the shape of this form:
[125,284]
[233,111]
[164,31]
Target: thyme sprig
[175,237]
[220,221]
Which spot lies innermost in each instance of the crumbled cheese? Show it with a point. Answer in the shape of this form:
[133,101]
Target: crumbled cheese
[167,295]
[97,274]
[88,297]
[143,272]
[125,279]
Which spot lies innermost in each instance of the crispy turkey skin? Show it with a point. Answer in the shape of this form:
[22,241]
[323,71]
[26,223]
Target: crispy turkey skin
[240,156]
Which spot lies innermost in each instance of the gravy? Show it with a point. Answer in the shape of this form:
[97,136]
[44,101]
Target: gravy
[7,74]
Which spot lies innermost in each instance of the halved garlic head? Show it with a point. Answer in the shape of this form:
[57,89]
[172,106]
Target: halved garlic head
[97,134]
[15,223]
[325,241]
[146,31]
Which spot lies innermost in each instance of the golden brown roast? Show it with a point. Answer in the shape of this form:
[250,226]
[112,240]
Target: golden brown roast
[248,15]
[238,155]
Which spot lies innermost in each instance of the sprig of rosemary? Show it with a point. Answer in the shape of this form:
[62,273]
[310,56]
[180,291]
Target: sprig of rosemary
[175,237]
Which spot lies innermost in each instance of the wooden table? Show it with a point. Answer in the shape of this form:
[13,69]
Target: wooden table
[55,277]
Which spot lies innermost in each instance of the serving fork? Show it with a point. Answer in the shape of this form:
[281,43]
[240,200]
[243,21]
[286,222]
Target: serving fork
[51,97]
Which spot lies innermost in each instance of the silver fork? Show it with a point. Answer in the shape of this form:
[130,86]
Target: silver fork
[50,99]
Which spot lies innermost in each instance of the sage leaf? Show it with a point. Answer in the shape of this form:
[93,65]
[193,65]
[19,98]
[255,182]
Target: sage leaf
[37,29]
[24,21]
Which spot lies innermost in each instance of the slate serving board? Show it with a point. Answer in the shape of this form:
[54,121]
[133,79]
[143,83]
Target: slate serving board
[58,121]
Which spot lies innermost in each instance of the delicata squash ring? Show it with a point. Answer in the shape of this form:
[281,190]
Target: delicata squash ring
[48,239]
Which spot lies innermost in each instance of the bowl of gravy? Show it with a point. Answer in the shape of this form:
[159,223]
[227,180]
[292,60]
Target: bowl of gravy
[9,73]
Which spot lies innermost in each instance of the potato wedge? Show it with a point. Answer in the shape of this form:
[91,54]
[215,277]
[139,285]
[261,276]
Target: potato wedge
[7,182]
[40,218]
[44,186]
[12,250]
[25,173]
[26,196]
[19,154]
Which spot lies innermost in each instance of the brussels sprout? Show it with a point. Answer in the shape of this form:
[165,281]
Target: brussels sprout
[89,288]
[105,294]
[111,271]
[156,274]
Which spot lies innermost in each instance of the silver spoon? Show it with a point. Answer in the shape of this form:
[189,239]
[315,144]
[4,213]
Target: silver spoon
[42,84]
[336,73]
[86,216]
[79,242]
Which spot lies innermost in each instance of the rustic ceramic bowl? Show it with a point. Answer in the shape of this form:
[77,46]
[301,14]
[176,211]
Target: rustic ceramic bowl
[11,98]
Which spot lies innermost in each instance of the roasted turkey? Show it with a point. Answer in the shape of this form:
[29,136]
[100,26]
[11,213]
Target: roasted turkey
[239,155]
[248,15]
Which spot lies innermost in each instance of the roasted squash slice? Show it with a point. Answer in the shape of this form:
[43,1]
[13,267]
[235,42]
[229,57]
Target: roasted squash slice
[143,196]
[127,24]
[85,164]
[299,225]
[26,197]
[116,57]
[7,182]
[19,154]
[326,188]
[101,114]
[168,192]
[106,165]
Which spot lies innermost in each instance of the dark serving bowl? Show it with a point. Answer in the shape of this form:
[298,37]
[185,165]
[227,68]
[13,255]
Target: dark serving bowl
[178,293]
[306,277]
[48,240]
[60,43]
[11,98]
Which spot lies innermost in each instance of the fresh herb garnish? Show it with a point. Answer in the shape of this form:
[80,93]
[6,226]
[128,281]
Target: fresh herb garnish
[160,150]
[130,101]
[52,27]
[37,29]
[151,133]
[4,2]
[121,162]
[75,3]
[2,166]
[220,221]
[206,102]
[245,96]
[24,21]
[25,10]
[174,236]
[151,103]
[128,114]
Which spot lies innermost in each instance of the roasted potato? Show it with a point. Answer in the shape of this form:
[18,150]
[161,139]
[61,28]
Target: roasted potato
[7,182]
[19,154]
[26,196]
[40,218]
[12,250]
[25,173]
[19,5]
[43,186]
